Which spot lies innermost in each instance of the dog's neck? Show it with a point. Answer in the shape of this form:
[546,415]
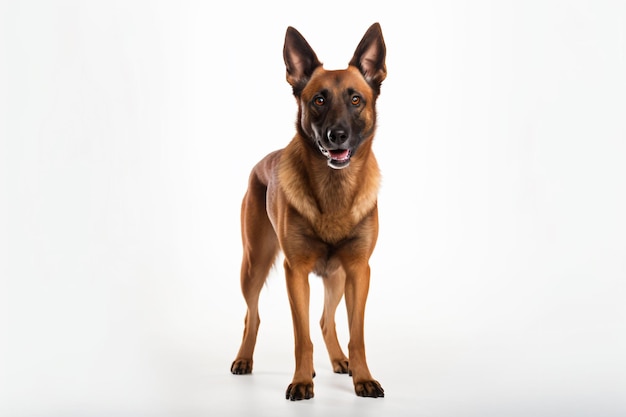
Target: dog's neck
[317,191]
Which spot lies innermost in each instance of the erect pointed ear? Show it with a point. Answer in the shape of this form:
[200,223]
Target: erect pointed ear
[300,60]
[369,56]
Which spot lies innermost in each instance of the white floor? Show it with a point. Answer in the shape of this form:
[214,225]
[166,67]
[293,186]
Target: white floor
[168,353]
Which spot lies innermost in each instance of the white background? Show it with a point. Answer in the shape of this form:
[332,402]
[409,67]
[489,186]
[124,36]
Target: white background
[128,129]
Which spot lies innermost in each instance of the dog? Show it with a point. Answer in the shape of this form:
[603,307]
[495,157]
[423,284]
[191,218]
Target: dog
[316,200]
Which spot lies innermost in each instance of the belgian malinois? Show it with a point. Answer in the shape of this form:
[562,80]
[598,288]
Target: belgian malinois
[316,200]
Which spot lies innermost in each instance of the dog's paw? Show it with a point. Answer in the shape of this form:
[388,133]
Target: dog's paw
[340,366]
[241,366]
[369,389]
[299,391]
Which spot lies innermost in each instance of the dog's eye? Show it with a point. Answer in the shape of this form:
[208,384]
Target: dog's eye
[356,100]
[319,101]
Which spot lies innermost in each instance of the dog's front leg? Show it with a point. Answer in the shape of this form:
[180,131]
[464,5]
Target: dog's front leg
[357,287]
[301,388]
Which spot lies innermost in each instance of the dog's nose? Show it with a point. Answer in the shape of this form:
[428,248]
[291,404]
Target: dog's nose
[337,136]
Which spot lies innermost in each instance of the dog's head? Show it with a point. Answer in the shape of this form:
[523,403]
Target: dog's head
[336,109]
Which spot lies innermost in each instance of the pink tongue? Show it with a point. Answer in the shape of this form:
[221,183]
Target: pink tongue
[340,154]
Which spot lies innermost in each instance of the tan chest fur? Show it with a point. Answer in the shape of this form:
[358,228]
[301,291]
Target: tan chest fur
[333,202]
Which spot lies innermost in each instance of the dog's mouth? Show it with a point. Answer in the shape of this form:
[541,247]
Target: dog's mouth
[337,158]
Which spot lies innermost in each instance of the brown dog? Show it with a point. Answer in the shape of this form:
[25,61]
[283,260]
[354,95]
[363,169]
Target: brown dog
[316,200]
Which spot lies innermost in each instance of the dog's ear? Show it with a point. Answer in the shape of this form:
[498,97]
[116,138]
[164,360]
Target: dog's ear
[300,60]
[369,57]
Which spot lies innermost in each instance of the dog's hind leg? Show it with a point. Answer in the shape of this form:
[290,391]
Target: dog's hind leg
[260,247]
[334,285]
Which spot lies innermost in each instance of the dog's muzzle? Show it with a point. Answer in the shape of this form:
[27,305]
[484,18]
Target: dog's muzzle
[336,158]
